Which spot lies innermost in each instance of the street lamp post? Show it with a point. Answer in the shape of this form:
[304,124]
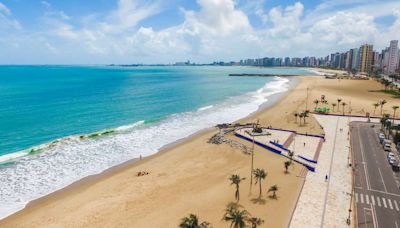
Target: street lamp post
[307,100]
[252,159]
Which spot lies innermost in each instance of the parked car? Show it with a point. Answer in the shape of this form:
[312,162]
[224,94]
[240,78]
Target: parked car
[396,167]
[392,161]
[391,155]
[381,136]
[386,141]
[387,147]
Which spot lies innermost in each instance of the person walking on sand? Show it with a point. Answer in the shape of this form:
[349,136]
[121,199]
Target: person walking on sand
[304,144]
[326,177]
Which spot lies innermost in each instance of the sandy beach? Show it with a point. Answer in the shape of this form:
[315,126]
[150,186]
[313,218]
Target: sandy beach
[192,176]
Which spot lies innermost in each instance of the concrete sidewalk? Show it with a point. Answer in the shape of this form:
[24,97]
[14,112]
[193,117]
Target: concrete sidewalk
[326,203]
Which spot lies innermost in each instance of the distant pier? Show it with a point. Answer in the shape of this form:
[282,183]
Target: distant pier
[263,75]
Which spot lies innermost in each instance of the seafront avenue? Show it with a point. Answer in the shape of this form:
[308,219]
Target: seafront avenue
[377,195]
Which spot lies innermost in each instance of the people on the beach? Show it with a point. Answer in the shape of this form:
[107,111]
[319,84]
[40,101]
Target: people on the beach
[142,173]
[326,177]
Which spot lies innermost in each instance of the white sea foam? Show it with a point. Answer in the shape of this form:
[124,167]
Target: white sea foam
[205,108]
[321,73]
[72,159]
[12,156]
[130,126]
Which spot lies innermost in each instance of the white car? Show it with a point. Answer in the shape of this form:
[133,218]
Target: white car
[391,155]
[381,136]
[392,161]
[387,148]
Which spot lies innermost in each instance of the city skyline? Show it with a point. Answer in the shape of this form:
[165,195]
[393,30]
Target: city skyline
[134,31]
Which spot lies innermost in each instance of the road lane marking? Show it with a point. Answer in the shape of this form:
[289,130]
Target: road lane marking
[395,205]
[356,197]
[363,159]
[383,182]
[390,204]
[374,217]
[362,198]
[384,202]
[387,193]
[379,201]
[373,200]
[366,199]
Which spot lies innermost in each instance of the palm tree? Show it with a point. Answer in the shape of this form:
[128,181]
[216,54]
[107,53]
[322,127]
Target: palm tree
[382,103]
[236,217]
[254,222]
[193,222]
[333,107]
[273,189]
[291,154]
[394,112]
[301,115]
[295,116]
[384,120]
[287,164]
[386,84]
[376,105]
[343,104]
[305,115]
[235,180]
[338,101]
[260,175]
[316,103]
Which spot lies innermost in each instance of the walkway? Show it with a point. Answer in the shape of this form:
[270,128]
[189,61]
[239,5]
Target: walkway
[326,203]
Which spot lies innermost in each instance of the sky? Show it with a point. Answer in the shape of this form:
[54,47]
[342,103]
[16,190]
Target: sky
[202,31]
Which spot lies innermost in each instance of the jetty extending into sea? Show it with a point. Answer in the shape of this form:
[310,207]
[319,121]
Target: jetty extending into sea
[263,75]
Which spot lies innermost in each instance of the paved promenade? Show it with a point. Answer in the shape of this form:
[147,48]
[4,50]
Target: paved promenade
[325,203]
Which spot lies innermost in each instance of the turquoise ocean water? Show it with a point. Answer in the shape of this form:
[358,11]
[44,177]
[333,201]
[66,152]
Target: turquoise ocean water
[49,114]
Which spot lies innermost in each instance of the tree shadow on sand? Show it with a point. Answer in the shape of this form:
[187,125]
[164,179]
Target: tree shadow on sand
[273,197]
[258,201]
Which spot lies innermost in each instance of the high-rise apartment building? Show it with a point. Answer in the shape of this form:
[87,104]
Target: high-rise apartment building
[393,58]
[349,59]
[355,59]
[366,58]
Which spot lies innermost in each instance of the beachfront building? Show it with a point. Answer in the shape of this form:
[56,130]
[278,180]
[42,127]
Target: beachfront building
[287,61]
[393,57]
[366,58]
[355,55]
[385,59]
[348,59]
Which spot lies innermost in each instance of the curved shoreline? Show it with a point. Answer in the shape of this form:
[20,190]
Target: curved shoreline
[192,177]
[92,179]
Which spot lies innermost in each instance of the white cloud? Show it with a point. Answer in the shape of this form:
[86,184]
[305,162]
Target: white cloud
[345,29]
[7,21]
[51,48]
[51,12]
[4,9]
[128,14]
[218,30]
[286,22]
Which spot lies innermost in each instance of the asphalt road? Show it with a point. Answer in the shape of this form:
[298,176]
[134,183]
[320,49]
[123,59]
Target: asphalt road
[376,186]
